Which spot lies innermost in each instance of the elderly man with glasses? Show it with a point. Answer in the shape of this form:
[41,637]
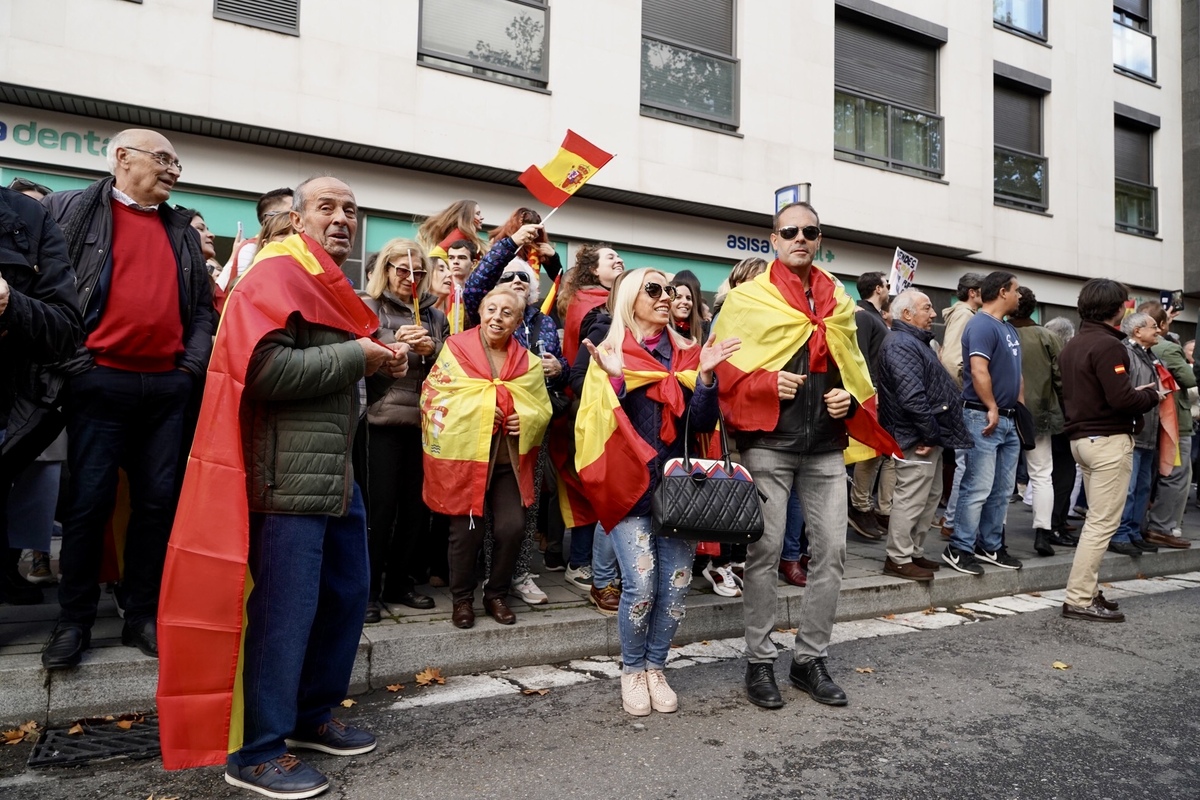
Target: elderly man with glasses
[795,393]
[148,325]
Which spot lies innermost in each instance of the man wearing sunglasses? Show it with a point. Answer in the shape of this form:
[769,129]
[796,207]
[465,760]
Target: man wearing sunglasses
[793,392]
[148,324]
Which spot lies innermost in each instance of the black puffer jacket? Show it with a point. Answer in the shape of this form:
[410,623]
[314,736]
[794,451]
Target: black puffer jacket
[918,401]
[92,246]
[41,324]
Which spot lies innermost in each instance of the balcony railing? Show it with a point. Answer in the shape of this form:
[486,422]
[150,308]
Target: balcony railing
[1137,208]
[883,134]
[1133,51]
[1021,178]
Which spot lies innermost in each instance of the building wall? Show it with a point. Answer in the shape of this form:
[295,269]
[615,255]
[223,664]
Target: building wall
[352,74]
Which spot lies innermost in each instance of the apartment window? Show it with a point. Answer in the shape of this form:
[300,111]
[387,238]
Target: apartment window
[281,16]
[501,40]
[1020,168]
[1133,44]
[1136,196]
[689,72]
[1025,16]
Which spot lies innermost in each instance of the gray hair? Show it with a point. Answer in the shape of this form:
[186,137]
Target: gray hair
[1136,320]
[535,289]
[300,194]
[1062,328]
[905,301]
[125,139]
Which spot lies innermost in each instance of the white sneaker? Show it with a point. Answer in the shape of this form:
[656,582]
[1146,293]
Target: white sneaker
[524,587]
[581,578]
[662,696]
[635,694]
[722,579]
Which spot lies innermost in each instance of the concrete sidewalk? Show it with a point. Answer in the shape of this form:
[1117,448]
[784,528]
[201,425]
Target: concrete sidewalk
[115,679]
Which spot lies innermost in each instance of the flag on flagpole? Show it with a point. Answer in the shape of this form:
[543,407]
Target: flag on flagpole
[576,163]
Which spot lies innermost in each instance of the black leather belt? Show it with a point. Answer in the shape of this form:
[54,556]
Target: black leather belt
[1004,412]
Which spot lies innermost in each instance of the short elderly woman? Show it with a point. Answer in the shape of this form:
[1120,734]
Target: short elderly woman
[484,411]
[658,378]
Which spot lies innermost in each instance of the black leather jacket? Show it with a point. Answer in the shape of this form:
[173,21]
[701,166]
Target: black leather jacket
[804,425]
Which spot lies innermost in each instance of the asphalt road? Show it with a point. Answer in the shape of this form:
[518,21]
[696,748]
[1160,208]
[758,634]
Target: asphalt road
[971,711]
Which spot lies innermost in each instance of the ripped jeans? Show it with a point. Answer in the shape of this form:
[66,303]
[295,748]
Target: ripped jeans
[656,573]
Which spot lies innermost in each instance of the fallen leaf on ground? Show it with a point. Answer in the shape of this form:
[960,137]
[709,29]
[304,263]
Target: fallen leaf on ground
[75,730]
[1034,594]
[931,610]
[538,692]
[429,676]
[124,724]
[889,616]
[705,642]
[1106,585]
[1060,665]
[395,687]
[1141,577]
[864,670]
[348,702]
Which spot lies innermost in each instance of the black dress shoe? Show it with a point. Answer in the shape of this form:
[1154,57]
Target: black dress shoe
[142,635]
[1143,545]
[813,677]
[760,686]
[373,613]
[412,599]
[1125,549]
[1063,539]
[1104,602]
[1093,613]
[66,646]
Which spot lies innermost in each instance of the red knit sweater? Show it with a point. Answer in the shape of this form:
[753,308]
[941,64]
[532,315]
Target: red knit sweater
[140,329]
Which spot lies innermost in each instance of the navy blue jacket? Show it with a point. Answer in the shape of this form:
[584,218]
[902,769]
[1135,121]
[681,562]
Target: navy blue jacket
[919,404]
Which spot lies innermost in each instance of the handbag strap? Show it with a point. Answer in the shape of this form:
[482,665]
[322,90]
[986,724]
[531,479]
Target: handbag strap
[687,459]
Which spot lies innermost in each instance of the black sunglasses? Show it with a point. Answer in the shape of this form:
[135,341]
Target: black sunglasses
[509,277]
[655,290]
[24,185]
[811,232]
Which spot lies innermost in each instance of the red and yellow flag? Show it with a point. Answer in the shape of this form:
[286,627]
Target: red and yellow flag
[582,302]
[206,580]
[611,457]
[577,162]
[772,329]
[458,402]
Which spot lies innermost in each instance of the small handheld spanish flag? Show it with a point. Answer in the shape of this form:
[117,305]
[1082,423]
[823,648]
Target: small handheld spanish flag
[576,163]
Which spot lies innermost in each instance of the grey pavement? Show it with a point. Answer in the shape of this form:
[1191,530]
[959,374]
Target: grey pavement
[969,709]
[116,679]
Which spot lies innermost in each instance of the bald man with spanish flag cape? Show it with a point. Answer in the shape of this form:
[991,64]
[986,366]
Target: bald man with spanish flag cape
[292,286]
[792,393]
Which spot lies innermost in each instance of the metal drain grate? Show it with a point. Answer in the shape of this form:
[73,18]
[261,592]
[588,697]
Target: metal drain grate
[100,740]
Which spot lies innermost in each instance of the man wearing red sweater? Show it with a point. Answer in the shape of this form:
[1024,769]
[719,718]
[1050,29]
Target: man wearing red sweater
[148,323]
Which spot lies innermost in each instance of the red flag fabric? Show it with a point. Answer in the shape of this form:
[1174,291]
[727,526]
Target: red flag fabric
[583,302]
[576,163]
[203,586]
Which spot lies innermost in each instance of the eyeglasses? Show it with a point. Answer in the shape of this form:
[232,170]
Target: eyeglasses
[509,277]
[163,159]
[417,274]
[655,290]
[26,185]
[811,232]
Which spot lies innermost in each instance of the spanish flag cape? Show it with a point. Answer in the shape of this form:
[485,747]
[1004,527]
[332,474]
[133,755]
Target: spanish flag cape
[458,402]
[771,316]
[1168,422]
[611,457]
[583,302]
[205,581]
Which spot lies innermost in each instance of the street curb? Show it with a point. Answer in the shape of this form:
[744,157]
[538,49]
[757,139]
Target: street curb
[119,679]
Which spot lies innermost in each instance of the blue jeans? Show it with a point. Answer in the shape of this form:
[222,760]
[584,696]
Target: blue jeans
[589,545]
[795,543]
[987,483]
[131,420]
[1137,499]
[657,573]
[304,619]
[31,506]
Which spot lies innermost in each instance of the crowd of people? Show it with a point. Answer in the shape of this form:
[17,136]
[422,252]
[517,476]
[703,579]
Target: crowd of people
[345,450]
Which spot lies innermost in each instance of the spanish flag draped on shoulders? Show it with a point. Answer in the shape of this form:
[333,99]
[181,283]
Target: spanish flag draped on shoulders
[458,402]
[205,580]
[771,316]
[610,455]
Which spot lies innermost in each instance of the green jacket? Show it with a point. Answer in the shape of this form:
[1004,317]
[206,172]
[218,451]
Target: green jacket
[1175,361]
[299,412]
[1039,368]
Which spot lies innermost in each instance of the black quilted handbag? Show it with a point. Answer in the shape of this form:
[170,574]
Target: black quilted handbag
[707,500]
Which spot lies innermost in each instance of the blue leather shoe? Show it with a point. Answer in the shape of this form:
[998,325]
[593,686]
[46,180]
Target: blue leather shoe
[334,738]
[286,777]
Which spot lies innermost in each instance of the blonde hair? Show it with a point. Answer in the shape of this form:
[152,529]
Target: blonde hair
[624,293]
[398,248]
